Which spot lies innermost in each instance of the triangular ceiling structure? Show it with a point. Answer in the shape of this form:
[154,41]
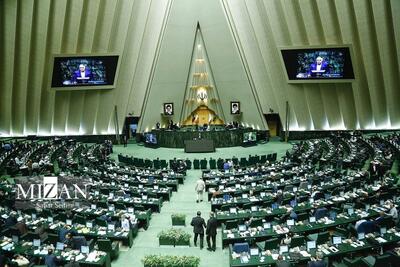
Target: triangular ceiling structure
[169,82]
[201,104]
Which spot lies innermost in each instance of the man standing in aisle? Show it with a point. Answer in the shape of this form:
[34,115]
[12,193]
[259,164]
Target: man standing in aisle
[198,224]
[200,186]
[211,231]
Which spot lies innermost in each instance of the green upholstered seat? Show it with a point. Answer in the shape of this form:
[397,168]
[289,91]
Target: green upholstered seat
[110,247]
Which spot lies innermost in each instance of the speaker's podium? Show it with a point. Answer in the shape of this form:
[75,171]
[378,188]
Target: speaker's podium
[199,145]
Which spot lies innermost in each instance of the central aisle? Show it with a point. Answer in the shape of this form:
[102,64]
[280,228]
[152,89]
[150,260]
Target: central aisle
[183,201]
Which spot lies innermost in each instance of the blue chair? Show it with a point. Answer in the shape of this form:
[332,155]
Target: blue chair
[321,213]
[78,241]
[241,247]
[367,227]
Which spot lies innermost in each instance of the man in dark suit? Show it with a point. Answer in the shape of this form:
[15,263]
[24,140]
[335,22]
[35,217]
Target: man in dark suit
[50,259]
[211,231]
[318,261]
[22,228]
[198,224]
[11,220]
[280,262]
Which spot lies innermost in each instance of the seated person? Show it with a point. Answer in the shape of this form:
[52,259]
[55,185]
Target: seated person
[318,261]
[3,259]
[393,212]
[125,223]
[11,220]
[62,232]
[381,218]
[366,227]
[287,239]
[293,215]
[68,240]
[21,226]
[280,262]
[226,166]
[320,213]
[78,242]
[20,260]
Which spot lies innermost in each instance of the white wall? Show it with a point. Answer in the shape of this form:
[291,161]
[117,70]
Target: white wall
[172,66]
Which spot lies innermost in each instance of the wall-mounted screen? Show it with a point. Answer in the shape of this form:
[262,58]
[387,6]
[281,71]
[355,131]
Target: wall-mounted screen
[320,64]
[151,138]
[75,72]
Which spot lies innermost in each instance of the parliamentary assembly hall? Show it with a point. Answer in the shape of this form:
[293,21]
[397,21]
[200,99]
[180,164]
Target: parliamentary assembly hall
[199,133]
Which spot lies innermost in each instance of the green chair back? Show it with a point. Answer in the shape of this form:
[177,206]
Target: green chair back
[104,245]
[271,244]
[323,237]
[297,241]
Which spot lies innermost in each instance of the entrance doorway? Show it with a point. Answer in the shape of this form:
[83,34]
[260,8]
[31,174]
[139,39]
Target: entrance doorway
[274,123]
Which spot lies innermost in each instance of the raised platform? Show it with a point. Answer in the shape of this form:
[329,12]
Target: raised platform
[199,146]
[221,138]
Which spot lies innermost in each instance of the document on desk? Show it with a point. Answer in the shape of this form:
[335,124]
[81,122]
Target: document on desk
[230,235]
[275,256]
[305,253]
[244,259]
[381,240]
[325,251]
[79,257]
[7,247]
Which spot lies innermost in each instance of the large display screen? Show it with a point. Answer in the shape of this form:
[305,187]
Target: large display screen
[249,137]
[151,138]
[318,64]
[84,72]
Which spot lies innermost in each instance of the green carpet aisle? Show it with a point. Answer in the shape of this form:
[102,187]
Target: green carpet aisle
[183,201]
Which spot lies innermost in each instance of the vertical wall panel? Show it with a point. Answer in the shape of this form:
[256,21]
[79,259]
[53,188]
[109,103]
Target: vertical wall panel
[371,62]
[52,44]
[22,63]
[262,44]
[73,21]
[86,36]
[9,29]
[296,32]
[119,31]
[388,72]
[102,35]
[31,31]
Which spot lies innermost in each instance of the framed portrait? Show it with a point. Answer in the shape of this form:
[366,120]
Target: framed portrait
[235,107]
[168,109]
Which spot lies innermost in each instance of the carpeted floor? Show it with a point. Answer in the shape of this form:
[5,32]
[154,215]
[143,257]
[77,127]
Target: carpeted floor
[183,201]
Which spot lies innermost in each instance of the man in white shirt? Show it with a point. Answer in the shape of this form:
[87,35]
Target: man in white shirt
[200,186]
[125,223]
[393,212]
[17,161]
